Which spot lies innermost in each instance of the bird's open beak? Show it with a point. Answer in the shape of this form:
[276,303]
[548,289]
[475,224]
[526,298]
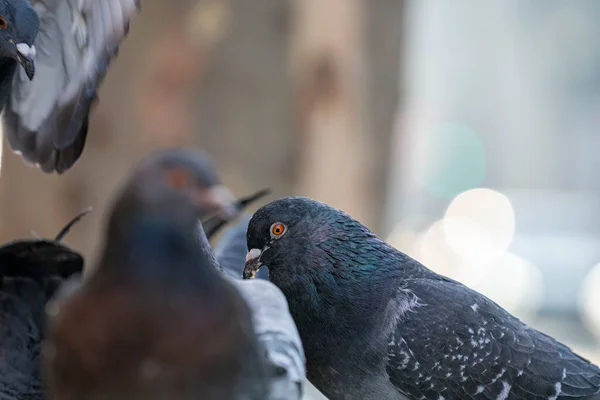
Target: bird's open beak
[253,263]
[25,55]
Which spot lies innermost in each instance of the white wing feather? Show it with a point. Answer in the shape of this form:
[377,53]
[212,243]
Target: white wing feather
[46,119]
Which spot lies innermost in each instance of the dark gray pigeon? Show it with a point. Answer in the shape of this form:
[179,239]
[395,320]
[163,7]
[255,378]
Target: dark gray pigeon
[30,273]
[376,324]
[156,320]
[64,48]
[271,318]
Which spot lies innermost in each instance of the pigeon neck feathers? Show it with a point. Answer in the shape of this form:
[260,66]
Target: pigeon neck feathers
[143,238]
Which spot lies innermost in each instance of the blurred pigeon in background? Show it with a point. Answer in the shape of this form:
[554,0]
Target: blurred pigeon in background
[156,320]
[64,48]
[214,222]
[30,273]
[216,204]
[273,323]
[376,324]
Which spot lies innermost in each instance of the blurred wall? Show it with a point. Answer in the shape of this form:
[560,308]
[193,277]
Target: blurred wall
[238,79]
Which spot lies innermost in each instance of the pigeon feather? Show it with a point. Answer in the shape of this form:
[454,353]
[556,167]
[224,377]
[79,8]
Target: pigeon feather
[46,118]
[271,318]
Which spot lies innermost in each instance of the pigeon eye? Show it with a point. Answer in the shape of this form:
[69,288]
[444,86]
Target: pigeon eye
[3,23]
[178,178]
[277,230]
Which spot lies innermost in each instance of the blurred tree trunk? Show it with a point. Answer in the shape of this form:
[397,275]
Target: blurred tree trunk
[329,76]
[344,67]
[243,112]
[220,74]
[384,40]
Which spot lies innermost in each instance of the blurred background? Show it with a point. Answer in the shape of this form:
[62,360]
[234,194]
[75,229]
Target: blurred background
[465,133]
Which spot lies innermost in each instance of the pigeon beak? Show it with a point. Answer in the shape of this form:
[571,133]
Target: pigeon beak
[213,222]
[253,263]
[218,198]
[25,55]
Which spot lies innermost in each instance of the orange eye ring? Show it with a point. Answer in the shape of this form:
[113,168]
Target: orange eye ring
[278,229]
[3,23]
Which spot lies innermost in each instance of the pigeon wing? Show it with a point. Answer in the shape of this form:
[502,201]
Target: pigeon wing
[278,335]
[450,342]
[46,119]
[271,318]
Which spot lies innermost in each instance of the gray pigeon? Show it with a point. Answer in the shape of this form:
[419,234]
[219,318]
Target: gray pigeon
[65,48]
[271,318]
[376,324]
[156,320]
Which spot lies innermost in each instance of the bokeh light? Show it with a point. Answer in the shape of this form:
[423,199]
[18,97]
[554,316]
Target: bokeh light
[514,283]
[589,301]
[432,250]
[479,225]
[403,239]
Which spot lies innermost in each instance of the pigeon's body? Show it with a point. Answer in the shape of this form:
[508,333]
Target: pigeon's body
[156,321]
[273,324]
[22,303]
[46,112]
[376,324]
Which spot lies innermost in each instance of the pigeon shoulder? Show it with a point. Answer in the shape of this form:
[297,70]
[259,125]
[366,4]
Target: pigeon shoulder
[448,341]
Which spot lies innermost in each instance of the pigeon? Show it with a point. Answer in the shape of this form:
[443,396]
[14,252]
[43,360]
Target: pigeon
[40,258]
[216,204]
[156,320]
[376,324]
[271,318]
[54,54]
[31,271]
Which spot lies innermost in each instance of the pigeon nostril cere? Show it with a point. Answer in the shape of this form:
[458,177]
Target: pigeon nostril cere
[253,254]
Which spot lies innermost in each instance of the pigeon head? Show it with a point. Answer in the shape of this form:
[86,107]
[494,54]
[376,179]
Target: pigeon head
[191,172]
[19,24]
[155,218]
[302,239]
[179,182]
